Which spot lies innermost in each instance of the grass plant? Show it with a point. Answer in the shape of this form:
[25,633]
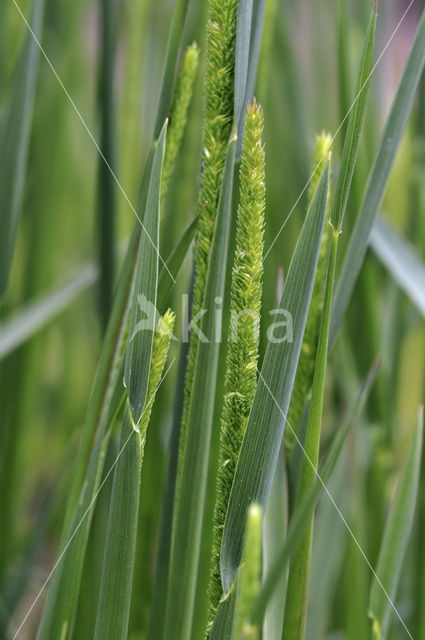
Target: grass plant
[224,447]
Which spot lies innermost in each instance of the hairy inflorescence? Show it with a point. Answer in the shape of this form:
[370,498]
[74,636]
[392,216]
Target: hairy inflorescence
[160,347]
[218,121]
[245,306]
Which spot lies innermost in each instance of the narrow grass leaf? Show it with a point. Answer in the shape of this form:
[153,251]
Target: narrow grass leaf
[169,74]
[305,368]
[354,128]
[14,143]
[304,377]
[258,13]
[145,291]
[299,575]
[379,176]
[59,611]
[120,547]
[174,262]
[265,427]
[106,194]
[304,510]
[401,260]
[24,323]
[396,537]
[187,526]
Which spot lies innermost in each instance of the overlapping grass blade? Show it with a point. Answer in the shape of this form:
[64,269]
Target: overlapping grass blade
[397,532]
[190,504]
[297,588]
[379,176]
[266,422]
[59,611]
[39,313]
[401,260]
[174,262]
[136,372]
[120,546]
[304,510]
[14,143]
[169,73]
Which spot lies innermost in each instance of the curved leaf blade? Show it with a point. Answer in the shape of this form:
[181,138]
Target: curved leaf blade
[146,284]
[401,261]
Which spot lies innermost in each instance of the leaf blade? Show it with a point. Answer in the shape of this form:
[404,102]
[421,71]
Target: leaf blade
[396,536]
[379,176]
[146,284]
[401,261]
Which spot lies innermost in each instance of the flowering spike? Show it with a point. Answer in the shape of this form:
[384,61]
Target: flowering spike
[245,306]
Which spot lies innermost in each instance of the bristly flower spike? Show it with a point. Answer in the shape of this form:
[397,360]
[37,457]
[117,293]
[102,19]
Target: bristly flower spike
[245,307]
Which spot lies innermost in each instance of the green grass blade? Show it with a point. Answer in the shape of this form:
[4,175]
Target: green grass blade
[115,589]
[258,15]
[106,194]
[37,314]
[243,42]
[174,263]
[223,621]
[14,143]
[379,176]
[299,576]
[305,367]
[169,73]
[190,501]
[265,427]
[401,261]
[354,128]
[111,355]
[40,312]
[120,547]
[146,285]
[397,532]
[60,609]
[304,510]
